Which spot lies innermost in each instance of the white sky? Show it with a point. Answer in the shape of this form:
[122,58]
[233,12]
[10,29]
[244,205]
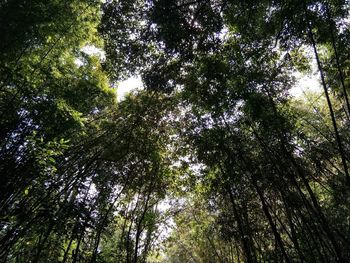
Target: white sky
[126,86]
[123,87]
[94,51]
[306,83]
[91,51]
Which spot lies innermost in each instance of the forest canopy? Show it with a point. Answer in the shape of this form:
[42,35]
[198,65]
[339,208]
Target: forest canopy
[214,159]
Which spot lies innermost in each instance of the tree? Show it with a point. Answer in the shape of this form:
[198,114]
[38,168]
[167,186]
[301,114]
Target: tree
[253,174]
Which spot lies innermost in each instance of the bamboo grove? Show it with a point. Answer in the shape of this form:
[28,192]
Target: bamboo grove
[213,160]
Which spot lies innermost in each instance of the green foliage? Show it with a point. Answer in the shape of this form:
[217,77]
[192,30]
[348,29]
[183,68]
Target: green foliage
[213,161]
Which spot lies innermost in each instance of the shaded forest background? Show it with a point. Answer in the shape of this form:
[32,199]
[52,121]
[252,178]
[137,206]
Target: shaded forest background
[214,160]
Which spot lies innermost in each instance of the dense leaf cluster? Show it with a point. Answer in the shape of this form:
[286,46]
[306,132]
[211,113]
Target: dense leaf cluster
[214,160]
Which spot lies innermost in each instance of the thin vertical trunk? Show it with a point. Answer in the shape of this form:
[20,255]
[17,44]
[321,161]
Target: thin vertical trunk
[330,107]
[269,218]
[103,223]
[293,232]
[247,248]
[337,60]
[128,249]
[238,253]
[139,230]
[76,253]
[65,257]
[122,236]
[307,233]
[317,209]
[319,212]
[42,243]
